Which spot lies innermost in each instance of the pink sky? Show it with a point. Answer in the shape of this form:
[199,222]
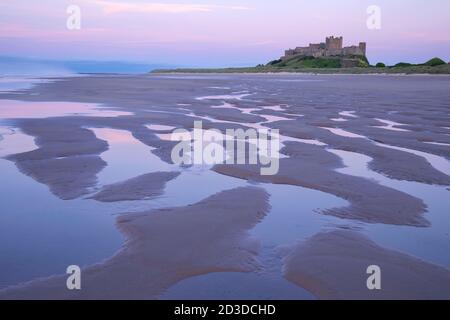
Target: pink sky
[209,33]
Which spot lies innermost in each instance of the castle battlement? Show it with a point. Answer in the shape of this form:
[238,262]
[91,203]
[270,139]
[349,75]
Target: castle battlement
[333,46]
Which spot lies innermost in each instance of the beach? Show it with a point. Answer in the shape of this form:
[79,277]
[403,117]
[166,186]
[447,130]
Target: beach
[364,179]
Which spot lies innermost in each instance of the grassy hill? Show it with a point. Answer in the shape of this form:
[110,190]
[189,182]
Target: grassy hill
[329,65]
[300,62]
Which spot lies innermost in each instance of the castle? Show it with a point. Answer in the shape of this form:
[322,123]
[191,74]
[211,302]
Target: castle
[331,47]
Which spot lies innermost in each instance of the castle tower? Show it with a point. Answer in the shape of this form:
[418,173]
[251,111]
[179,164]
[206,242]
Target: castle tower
[333,43]
[362,47]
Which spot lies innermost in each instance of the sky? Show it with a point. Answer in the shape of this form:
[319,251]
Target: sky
[219,32]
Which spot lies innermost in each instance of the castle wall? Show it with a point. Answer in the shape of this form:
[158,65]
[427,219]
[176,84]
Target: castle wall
[331,47]
[353,50]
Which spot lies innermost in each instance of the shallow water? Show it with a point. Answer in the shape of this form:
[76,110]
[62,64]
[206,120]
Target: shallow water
[274,108]
[226,105]
[343,133]
[307,141]
[390,125]
[126,157]
[431,244]
[271,118]
[350,114]
[159,127]
[41,234]
[236,96]
[13,141]
[285,198]
[257,125]
[338,119]
[439,143]
[438,162]
[14,83]
[267,284]
[13,109]
[294,215]
[45,234]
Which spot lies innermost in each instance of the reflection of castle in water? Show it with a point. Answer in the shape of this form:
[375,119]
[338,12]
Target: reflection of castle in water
[332,47]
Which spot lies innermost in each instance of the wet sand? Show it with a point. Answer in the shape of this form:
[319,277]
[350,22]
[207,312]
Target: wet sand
[332,265]
[313,167]
[66,159]
[144,187]
[163,245]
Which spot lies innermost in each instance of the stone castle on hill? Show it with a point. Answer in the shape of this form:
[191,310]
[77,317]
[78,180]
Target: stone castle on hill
[331,47]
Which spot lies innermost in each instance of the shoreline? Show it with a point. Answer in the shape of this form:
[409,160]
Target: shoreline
[285,73]
[412,70]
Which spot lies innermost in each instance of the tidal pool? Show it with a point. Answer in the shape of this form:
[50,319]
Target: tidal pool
[126,157]
[438,162]
[41,234]
[294,215]
[431,244]
[14,109]
[13,83]
[391,125]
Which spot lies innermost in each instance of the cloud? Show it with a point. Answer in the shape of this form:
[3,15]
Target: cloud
[110,7]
